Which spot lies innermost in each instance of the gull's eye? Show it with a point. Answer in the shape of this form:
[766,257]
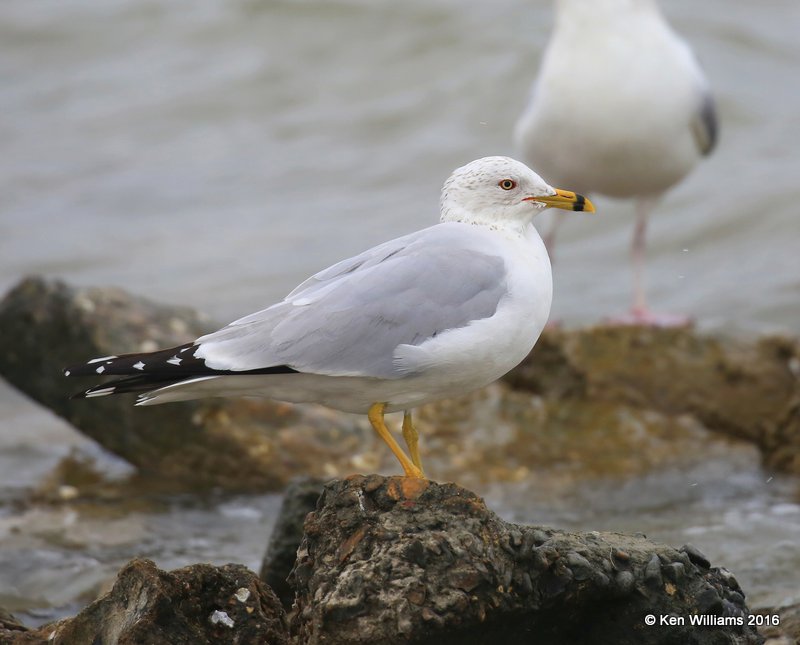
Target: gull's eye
[507,184]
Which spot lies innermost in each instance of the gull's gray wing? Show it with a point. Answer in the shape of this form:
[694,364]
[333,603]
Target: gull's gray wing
[349,319]
[705,126]
[704,123]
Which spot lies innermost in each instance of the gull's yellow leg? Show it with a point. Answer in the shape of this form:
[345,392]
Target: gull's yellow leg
[375,415]
[411,436]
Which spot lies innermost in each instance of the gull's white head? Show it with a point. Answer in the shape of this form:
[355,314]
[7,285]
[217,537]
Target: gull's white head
[502,192]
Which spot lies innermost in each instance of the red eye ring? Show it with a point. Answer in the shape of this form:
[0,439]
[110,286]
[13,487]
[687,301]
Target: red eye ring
[507,184]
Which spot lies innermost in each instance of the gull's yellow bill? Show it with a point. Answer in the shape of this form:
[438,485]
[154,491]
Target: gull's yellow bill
[565,200]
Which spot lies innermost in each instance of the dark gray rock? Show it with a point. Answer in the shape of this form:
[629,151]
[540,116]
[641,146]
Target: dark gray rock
[394,560]
[652,572]
[197,605]
[299,500]
[696,556]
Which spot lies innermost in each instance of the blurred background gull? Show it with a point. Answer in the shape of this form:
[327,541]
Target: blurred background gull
[621,108]
[215,155]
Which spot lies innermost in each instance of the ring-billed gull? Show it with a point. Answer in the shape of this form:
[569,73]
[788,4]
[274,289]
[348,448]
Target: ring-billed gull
[621,108]
[426,316]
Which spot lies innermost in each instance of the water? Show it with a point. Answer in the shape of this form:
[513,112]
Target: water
[216,154]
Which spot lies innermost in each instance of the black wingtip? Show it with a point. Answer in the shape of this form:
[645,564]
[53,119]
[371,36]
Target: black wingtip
[142,372]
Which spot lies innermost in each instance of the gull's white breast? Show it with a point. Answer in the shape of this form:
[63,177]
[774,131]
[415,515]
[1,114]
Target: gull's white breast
[464,359]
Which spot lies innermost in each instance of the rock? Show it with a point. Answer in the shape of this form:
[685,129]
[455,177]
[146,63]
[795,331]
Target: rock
[241,444]
[191,606]
[394,560]
[299,500]
[26,637]
[781,625]
[748,390]
[781,441]
[9,621]
[12,632]
[696,556]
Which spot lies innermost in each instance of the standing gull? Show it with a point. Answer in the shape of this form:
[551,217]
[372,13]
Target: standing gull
[427,316]
[621,108]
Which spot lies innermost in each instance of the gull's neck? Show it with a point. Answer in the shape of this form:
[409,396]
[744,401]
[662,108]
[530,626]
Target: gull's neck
[601,11]
[515,225]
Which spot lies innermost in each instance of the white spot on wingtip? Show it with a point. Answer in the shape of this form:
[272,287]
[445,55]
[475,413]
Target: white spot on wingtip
[66,372]
[174,360]
[100,369]
[185,349]
[138,366]
[104,392]
[101,359]
[145,399]
[222,617]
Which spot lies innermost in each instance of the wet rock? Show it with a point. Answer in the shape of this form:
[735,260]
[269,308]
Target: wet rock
[781,441]
[241,444]
[299,500]
[9,621]
[652,572]
[195,605]
[12,632]
[555,446]
[781,625]
[673,571]
[748,390]
[393,560]
[26,637]
[696,556]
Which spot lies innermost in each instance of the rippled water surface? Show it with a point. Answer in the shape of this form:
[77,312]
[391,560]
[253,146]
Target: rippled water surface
[216,154]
